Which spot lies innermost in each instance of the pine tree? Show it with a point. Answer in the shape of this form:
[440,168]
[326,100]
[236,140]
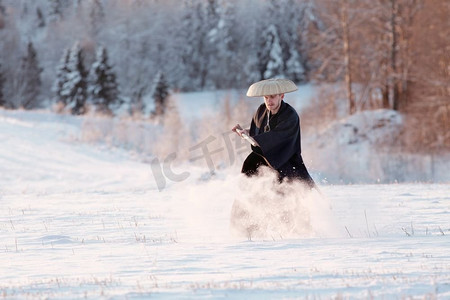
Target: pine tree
[285,56]
[192,36]
[96,15]
[2,83]
[40,17]
[60,87]
[24,11]
[31,79]
[210,56]
[211,13]
[294,67]
[2,15]
[103,88]
[290,42]
[160,94]
[76,84]
[56,10]
[270,54]
[136,104]
[222,43]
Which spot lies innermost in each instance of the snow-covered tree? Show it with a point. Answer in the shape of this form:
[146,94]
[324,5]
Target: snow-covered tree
[160,94]
[212,13]
[251,69]
[294,67]
[248,39]
[97,16]
[191,37]
[290,42]
[2,14]
[222,46]
[11,52]
[56,10]
[31,79]
[270,55]
[136,104]
[40,17]
[289,58]
[76,85]
[309,26]
[210,58]
[103,88]
[59,86]
[2,83]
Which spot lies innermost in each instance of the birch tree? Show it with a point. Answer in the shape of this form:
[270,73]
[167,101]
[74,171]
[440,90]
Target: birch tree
[333,49]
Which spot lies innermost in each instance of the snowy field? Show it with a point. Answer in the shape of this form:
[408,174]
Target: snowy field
[79,220]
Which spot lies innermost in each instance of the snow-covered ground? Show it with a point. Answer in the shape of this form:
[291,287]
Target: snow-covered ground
[80,220]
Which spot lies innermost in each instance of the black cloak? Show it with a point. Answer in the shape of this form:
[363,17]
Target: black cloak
[280,147]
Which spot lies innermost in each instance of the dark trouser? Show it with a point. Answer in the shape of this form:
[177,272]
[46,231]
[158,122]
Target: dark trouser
[294,169]
[252,163]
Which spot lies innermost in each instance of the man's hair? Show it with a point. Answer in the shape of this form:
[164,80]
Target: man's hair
[259,115]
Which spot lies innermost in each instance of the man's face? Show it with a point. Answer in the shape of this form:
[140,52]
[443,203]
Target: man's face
[273,102]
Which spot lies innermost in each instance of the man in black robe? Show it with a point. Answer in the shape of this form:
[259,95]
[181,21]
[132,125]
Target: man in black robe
[275,133]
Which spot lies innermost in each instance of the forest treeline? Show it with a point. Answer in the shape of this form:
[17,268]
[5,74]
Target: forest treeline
[72,54]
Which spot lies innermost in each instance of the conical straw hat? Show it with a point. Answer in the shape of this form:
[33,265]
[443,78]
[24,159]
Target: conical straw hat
[271,87]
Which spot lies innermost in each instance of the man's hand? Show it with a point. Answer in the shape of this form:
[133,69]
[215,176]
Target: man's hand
[245,134]
[239,130]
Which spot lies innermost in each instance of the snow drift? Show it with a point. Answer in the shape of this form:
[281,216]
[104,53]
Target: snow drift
[363,148]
